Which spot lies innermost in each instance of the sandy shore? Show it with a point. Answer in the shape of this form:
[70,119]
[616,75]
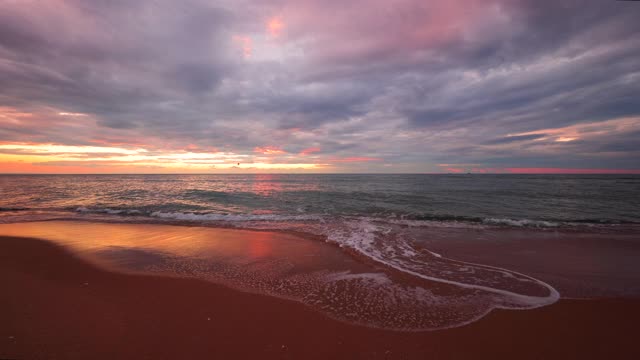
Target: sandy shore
[55,305]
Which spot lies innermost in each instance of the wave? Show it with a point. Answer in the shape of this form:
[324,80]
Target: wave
[385,245]
[439,283]
[300,215]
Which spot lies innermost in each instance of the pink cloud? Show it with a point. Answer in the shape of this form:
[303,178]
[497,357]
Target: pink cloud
[310,150]
[387,28]
[246,45]
[275,26]
[269,150]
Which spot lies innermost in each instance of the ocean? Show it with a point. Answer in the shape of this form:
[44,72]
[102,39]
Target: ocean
[447,247]
[501,200]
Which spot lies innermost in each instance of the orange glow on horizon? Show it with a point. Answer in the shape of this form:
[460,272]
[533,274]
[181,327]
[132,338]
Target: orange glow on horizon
[269,150]
[71,114]
[53,158]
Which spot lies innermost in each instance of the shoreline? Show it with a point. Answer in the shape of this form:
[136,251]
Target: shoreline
[134,216]
[57,305]
[345,283]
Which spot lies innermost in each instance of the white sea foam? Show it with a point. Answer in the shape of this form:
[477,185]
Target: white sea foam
[520,223]
[384,242]
[396,252]
[301,215]
[347,275]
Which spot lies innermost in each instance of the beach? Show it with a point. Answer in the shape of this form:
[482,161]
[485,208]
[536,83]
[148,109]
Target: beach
[55,304]
[319,266]
[340,282]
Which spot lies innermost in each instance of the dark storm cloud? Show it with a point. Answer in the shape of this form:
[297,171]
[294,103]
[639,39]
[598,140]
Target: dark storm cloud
[111,60]
[410,82]
[196,78]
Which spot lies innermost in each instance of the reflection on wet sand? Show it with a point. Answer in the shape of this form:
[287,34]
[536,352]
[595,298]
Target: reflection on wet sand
[142,242]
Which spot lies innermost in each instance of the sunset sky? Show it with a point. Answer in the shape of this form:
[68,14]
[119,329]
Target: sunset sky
[332,86]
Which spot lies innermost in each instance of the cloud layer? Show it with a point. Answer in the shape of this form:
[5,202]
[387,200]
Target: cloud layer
[317,85]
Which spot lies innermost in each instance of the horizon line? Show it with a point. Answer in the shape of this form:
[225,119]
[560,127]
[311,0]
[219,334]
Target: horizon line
[631,172]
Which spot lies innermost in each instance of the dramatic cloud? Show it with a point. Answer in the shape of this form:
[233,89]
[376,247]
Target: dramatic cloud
[317,85]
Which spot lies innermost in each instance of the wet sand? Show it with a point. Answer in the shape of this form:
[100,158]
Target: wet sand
[579,262]
[55,305]
[356,286]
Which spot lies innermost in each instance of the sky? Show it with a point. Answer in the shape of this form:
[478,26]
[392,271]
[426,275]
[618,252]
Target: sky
[287,86]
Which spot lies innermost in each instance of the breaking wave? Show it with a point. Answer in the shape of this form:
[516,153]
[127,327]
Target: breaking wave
[426,221]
